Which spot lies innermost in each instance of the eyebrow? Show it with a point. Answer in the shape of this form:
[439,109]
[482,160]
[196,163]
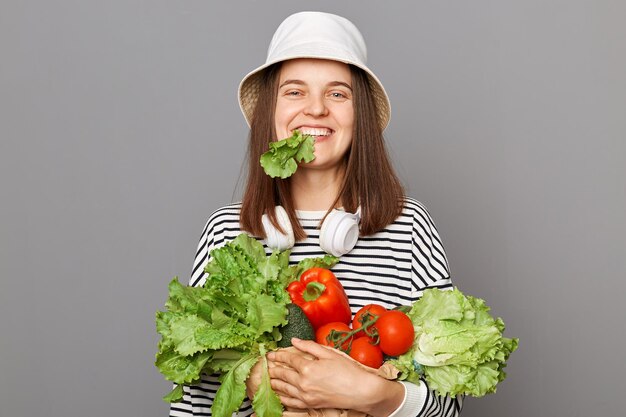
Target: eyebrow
[330,84]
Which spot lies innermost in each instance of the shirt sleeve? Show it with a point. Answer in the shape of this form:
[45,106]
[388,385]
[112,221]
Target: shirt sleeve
[429,269]
[429,266]
[422,402]
[205,245]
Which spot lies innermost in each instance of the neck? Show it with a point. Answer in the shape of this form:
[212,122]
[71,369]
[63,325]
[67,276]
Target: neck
[315,190]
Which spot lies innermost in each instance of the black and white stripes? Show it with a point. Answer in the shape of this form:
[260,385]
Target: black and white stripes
[390,268]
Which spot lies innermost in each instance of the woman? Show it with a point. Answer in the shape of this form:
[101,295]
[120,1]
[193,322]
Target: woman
[316,80]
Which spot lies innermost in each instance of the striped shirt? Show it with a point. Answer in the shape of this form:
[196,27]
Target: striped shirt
[390,268]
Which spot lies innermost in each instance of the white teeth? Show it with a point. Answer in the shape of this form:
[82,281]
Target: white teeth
[316,131]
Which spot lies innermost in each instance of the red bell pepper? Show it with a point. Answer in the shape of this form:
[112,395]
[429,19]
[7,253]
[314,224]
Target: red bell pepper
[321,296]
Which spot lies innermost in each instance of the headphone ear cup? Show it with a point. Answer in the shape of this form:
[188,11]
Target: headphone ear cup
[339,232]
[274,238]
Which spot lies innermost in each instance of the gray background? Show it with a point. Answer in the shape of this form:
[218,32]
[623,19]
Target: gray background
[120,133]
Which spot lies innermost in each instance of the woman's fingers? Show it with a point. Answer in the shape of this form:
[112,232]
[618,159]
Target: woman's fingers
[292,402]
[297,360]
[288,375]
[282,389]
[291,358]
[289,395]
[314,349]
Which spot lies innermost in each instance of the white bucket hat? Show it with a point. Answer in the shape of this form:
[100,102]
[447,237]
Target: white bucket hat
[315,35]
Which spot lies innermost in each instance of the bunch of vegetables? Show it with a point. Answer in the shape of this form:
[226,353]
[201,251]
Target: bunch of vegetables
[252,303]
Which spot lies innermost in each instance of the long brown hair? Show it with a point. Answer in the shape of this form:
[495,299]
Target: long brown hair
[370,180]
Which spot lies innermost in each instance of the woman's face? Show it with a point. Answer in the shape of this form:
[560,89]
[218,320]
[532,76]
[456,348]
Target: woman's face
[315,97]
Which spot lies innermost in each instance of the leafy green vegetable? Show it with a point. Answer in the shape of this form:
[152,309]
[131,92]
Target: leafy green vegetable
[265,401]
[224,325]
[232,390]
[177,392]
[326,262]
[458,348]
[284,155]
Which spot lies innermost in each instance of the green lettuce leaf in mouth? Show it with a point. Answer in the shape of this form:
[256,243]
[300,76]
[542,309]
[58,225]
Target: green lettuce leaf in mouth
[284,155]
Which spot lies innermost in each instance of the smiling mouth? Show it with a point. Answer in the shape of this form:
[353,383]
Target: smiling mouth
[315,131]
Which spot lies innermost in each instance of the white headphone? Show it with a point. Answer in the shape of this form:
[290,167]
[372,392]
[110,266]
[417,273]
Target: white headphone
[338,234]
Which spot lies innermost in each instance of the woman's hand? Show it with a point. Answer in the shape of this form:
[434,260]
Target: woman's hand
[330,380]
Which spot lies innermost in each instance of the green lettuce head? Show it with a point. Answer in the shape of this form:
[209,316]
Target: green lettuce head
[458,347]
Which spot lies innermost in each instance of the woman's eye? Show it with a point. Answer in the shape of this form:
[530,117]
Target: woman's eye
[338,94]
[293,93]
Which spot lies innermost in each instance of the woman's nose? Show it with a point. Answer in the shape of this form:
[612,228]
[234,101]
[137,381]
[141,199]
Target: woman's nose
[316,106]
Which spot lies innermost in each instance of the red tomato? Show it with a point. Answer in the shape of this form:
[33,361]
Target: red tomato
[372,309]
[396,332]
[323,334]
[366,353]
